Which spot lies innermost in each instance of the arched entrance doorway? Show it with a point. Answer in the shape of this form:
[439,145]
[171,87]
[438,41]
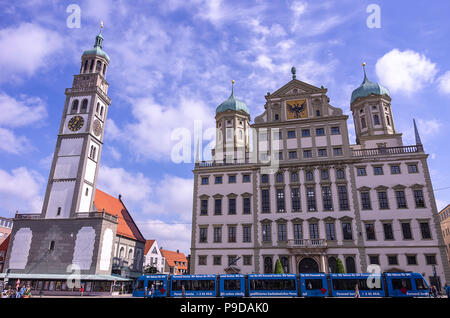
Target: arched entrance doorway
[308,265]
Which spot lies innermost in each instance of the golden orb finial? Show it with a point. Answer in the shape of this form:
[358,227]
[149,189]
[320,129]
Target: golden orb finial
[232,81]
[101,24]
[364,64]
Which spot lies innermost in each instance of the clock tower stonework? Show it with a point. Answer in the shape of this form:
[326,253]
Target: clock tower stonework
[69,234]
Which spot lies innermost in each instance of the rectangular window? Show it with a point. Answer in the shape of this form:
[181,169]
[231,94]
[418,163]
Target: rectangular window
[370,231]
[231,206]
[306,133]
[246,234]
[246,178]
[406,229]
[280,155]
[322,152]
[311,199]
[378,171]
[331,231]
[412,168]
[430,259]
[231,234]
[363,122]
[218,180]
[361,171]
[343,197]
[307,153]
[320,132]
[298,231]
[217,235]
[247,206]
[232,260]
[217,260]
[395,169]
[383,200]
[218,206]
[388,232]
[202,260]
[291,134]
[280,200]
[347,231]
[326,196]
[392,260]
[411,259]
[265,201]
[292,154]
[418,198]
[401,199]
[335,131]
[247,260]
[282,232]
[203,207]
[231,179]
[425,230]
[267,232]
[313,231]
[337,151]
[324,175]
[365,201]
[203,235]
[205,180]
[374,259]
[295,195]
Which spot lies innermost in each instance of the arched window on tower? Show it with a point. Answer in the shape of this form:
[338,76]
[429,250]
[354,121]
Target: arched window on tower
[101,111]
[388,120]
[98,67]
[104,69]
[74,108]
[91,68]
[376,119]
[279,177]
[84,105]
[85,66]
[98,108]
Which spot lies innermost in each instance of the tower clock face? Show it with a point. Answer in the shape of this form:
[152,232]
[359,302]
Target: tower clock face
[75,123]
[97,127]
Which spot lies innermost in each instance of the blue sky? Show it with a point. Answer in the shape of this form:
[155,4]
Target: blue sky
[172,63]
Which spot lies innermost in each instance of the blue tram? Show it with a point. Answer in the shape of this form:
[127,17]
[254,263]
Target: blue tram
[282,285]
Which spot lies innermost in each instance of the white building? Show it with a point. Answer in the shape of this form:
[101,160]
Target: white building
[306,196]
[153,256]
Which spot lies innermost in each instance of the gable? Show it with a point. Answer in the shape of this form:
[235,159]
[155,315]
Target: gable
[296,87]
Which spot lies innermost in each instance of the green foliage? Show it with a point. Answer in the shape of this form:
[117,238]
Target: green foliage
[339,267]
[278,267]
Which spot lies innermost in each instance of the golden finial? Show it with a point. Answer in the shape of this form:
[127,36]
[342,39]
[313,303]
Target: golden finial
[364,64]
[101,24]
[232,81]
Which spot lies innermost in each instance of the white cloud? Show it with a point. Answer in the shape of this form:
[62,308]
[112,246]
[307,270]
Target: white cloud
[26,48]
[20,191]
[10,143]
[427,128]
[444,83]
[405,71]
[22,111]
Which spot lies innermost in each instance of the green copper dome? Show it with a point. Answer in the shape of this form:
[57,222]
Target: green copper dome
[232,103]
[97,50]
[367,88]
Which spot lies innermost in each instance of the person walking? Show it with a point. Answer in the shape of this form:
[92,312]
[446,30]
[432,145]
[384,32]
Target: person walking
[434,291]
[82,291]
[146,292]
[152,291]
[183,291]
[356,291]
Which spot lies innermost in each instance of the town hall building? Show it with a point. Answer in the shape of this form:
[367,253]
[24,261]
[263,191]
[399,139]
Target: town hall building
[305,196]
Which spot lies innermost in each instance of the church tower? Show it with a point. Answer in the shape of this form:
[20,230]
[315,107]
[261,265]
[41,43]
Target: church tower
[73,175]
[372,115]
[232,130]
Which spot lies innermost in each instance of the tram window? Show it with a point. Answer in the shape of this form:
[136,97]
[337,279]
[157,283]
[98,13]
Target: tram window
[139,285]
[362,284]
[273,284]
[157,284]
[193,285]
[313,284]
[420,284]
[232,284]
[399,283]
[344,284]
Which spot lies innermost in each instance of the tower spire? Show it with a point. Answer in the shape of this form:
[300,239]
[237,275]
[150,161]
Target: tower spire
[365,75]
[232,88]
[416,133]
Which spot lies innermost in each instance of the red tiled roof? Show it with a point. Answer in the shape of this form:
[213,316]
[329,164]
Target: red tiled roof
[4,245]
[114,206]
[171,257]
[148,244]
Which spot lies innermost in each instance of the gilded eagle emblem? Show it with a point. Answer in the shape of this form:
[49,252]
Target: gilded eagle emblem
[297,108]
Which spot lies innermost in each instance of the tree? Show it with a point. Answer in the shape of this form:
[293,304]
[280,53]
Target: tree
[339,267]
[278,267]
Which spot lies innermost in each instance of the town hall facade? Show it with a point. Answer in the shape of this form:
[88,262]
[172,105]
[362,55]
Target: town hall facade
[306,196]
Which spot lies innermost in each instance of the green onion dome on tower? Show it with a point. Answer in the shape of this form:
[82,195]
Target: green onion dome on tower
[232,103]
[368,88]
[97,50]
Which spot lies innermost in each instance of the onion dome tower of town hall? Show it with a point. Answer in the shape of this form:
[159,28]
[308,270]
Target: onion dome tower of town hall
[232,130]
